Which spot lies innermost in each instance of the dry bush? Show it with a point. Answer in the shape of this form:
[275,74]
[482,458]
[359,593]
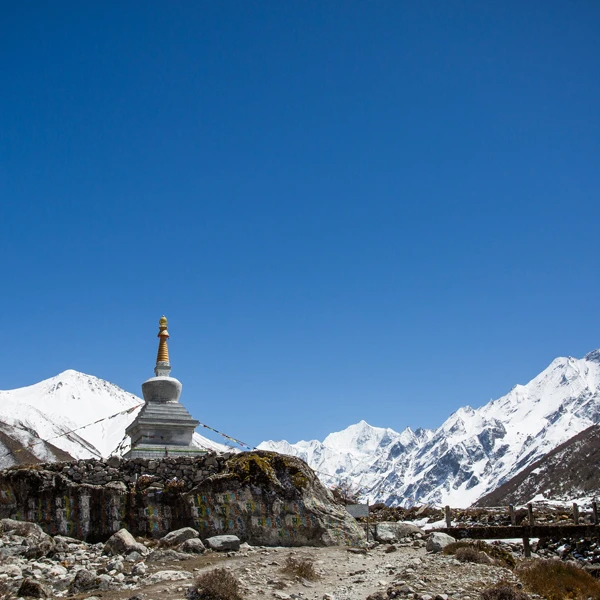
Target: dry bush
[557,580]
[503,591]
[303,568]
[470,554]
[174,485]
[218,584]
[499,555]
[454,546]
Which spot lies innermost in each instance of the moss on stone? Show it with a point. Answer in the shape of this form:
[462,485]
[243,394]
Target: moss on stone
[300,480]
[251,467]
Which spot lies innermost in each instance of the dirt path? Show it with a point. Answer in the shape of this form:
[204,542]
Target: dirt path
[343,575]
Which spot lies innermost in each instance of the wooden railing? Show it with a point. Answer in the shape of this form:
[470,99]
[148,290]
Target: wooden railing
[525,532]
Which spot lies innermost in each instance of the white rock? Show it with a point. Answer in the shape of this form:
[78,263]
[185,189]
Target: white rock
[123,542]
[174,538]
[437,541]
[223,543]
[139,569]
[169,575]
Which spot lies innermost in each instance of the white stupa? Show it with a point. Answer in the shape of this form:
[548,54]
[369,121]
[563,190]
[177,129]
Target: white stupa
[163,427]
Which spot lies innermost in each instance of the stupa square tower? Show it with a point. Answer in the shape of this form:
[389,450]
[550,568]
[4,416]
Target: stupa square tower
[163,427]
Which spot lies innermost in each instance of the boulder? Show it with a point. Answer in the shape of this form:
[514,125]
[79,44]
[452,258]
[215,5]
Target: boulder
[123,542]
[104,582]
[437,541]
[223,543]
[115,564]
[174,538]
[193,546]
[84,580]
[22,528]
[45,545]
[170,575]
[139,569]
[388,532]
[133,556]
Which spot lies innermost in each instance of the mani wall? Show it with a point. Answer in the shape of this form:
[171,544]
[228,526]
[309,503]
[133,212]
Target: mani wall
[262,497]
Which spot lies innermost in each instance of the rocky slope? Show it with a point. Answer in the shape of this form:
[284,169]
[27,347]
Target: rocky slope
[570,472]
[53,408]
[472,452]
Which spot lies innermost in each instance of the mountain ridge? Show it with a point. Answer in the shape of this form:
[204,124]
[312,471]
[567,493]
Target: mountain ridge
[473,451]
[53,412]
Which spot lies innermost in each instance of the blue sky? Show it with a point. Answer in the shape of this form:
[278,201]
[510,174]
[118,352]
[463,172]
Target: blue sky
[347,210]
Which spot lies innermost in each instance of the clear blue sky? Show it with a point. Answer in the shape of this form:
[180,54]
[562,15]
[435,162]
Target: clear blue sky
[347,210]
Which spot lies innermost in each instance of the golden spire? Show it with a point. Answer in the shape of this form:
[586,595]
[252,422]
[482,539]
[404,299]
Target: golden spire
[163,350]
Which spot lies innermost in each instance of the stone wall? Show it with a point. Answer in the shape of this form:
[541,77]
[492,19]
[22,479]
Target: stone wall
[262,497]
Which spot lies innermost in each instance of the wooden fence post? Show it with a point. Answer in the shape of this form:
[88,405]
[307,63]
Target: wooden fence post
[448,517]
[531,518]
[511,514]
[575,513]
[526,547]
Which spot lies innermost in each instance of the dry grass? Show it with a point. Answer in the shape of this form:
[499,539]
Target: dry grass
[218,584]
[302,568]
[557,580]
[5,592]
[499,556]
[503,591]
[472,555]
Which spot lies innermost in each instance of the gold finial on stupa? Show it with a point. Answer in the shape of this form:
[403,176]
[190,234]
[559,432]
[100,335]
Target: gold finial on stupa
[163,335]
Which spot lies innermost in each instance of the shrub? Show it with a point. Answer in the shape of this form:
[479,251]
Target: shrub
[500,556]
[218,584]
[303,568]
[503,591]
[470,554]
[557,580]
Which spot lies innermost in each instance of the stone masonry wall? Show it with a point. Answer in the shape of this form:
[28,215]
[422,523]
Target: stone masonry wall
[262,497]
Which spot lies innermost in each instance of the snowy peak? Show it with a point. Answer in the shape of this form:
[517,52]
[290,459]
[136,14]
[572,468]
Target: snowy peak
[593,356]
[359,439]
[68,402]
[72,411]
[472,452]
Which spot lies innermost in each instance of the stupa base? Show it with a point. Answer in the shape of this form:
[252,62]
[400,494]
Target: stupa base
[155,451]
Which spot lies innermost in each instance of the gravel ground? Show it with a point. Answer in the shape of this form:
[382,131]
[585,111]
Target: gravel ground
[343,575]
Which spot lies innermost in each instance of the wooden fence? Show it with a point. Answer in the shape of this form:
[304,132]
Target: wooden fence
[525,532]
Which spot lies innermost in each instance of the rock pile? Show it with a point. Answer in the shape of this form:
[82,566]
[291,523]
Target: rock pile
[34,564]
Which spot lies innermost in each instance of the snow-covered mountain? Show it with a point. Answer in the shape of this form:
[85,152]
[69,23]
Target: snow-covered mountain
[566,474]
[469,455]
[50,409]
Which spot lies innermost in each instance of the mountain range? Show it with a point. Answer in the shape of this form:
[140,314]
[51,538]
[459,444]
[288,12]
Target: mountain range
[474,452]
[567,473]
